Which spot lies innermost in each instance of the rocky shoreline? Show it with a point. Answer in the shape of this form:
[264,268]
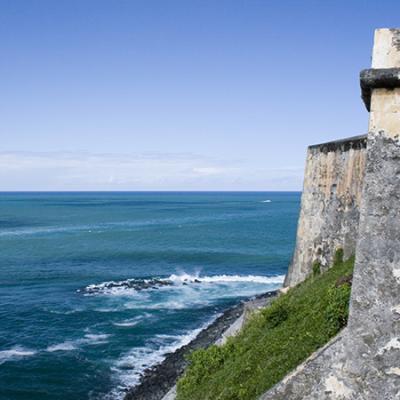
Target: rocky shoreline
[157,381]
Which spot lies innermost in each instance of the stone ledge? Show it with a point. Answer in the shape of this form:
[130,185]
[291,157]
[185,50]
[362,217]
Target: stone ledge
[377,78]
[354,142]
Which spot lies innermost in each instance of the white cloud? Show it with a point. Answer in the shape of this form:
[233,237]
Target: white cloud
[142,171]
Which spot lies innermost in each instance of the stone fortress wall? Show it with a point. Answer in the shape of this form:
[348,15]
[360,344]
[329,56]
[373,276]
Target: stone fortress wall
[363,361]
[330,205]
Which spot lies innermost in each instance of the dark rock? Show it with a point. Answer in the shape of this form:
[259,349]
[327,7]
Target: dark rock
[343,280]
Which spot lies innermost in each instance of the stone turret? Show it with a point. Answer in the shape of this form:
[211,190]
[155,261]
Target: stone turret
[381,84]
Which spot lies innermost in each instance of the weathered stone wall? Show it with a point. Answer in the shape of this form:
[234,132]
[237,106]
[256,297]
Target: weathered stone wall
[363,361]
[330,205]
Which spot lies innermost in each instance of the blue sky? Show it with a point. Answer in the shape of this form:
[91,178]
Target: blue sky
[178,95]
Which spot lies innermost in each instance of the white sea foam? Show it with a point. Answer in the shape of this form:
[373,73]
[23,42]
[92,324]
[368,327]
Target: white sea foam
[266,201]
[184,278]
[117,291]
[44,230]
[88,339]
[131,366]
[128,287]
[133,321]
[136,287]
[65,346]
[164,305]
[15,353]
[126,323]
[183,291]
[67,312]
[91,338]
[107,309]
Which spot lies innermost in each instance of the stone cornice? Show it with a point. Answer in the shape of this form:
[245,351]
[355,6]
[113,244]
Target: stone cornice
[377,78]
[354,142]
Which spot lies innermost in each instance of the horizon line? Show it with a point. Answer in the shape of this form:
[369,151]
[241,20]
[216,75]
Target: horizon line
[150,191]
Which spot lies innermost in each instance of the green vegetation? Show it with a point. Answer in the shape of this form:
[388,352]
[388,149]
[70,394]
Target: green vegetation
[274,341]
[338,257]
[316,268]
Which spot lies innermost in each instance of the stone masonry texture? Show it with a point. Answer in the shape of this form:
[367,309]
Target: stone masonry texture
[330,205]
[363,362]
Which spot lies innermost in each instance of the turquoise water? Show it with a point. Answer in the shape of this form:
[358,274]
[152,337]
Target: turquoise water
[95,287]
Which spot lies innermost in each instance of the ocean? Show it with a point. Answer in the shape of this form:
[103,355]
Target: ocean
[96,287]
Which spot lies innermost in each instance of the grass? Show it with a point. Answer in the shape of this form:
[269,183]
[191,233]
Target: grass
[274,341]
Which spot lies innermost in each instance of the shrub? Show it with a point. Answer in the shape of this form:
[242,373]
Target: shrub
[276,314]
[337,311]
[203,363]
[316,268]
[338,257]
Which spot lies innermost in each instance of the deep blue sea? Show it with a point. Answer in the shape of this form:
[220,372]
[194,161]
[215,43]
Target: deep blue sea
[95,287]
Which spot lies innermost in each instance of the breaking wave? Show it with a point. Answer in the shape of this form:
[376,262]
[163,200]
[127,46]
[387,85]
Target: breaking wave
[133,286]
[187,278]
[131,366]
[115,287]
[133,321]
[15,353]
[65,346]
[88,339]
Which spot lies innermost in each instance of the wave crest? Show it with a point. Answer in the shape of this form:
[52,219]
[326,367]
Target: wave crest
[187,278]
[88,339]
[114,287]
[15,353]
[133,286]
[130,367]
